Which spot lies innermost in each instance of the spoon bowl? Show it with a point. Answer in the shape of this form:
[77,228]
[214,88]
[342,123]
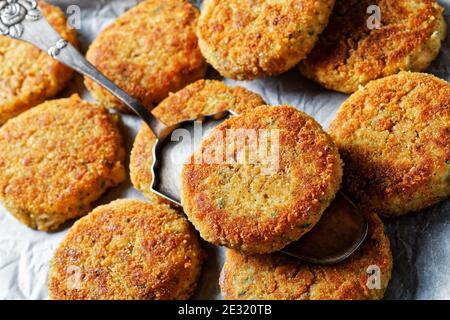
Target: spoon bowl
[172,151]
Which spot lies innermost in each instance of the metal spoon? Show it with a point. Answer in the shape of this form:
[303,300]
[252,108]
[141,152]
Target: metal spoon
[342,228]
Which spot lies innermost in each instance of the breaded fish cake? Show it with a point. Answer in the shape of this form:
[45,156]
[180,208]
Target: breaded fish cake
[280,277]
[149,51]
[200,98]
[128,249]
[265,202]
[249,39]
[29,76]
[394,137]
[349,53]
[58,158]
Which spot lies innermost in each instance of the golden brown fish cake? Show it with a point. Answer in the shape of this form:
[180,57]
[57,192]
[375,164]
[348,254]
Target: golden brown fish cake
[394,137]
[249,39]
[58,158]
[29,76]
[279,277]
[349,54]
[200,98]
[149,51]
[261,206]
[128,249]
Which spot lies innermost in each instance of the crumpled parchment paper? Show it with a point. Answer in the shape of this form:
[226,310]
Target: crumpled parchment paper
[420,242]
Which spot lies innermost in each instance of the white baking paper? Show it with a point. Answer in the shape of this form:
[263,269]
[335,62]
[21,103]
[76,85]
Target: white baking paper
[420,242]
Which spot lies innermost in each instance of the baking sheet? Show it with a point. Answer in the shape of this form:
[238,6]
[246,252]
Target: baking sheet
[420,242]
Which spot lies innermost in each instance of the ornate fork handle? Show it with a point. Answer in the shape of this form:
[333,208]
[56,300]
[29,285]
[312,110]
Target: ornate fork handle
[22,20]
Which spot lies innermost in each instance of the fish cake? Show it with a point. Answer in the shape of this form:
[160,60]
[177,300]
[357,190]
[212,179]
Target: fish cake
[56,159]
[364,276]
[245,40]
[394,137]
[150,51]
[200,98]
[127,250]
[29,76]
[349,53]
[265,202]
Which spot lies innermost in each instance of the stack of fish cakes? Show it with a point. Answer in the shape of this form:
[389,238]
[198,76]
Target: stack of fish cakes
[389,144]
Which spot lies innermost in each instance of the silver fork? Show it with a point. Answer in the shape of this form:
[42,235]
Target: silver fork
[337,236]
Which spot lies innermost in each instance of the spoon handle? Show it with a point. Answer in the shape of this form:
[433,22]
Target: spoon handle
[31,26]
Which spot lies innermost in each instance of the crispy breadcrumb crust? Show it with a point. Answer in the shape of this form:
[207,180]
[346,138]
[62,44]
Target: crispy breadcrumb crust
[279,277]
[394,137]
[150,51]
[130,250]
[349,54]
[29,76]
[58,158]
[240,207]
[249,39]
